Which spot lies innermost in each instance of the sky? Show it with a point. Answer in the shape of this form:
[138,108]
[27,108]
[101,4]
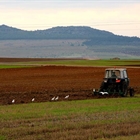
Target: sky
[121,17]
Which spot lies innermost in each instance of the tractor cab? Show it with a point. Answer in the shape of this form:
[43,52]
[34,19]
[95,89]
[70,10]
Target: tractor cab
[116,73]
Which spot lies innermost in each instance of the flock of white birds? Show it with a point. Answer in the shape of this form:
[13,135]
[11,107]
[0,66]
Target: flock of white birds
[52,99]
[56,98]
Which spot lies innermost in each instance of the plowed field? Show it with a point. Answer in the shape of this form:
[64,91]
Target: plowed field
[43,83]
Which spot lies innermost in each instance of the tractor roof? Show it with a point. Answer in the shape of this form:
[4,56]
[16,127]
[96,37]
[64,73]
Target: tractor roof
[120,69]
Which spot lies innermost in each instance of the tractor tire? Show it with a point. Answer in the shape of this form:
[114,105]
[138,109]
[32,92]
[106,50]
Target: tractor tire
[131,92]
[124,89]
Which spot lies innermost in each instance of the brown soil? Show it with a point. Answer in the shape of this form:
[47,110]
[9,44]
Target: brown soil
[43,83]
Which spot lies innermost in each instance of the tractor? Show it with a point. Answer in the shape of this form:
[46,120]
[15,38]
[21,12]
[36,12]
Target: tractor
[115,83]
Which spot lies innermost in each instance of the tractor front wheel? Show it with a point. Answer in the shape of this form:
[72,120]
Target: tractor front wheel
[131,91]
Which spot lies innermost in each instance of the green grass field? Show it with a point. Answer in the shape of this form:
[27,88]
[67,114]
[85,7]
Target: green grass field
[13,66]
[81,62]
[113,118]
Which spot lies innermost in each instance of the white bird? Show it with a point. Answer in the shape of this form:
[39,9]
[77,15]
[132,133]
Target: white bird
[94,90]
[33,99]
[53,98]
[13,101]
[102,93]
[56,98]
[106,93]
[66,97]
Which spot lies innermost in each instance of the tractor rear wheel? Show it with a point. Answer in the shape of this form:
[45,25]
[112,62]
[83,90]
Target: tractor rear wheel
[124,89]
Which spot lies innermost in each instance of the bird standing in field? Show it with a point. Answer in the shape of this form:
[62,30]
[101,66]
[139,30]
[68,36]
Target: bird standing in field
[66,97]
[33,99]
[13,101]
[53,99]
[57,98]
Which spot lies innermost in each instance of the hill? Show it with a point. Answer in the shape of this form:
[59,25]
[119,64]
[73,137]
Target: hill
[94,36]
[70,41]
[74,32]
[70,32]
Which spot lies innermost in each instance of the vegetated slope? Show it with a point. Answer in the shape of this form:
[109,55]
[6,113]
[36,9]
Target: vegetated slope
[113,40]
[70,32]
[93,43]
[93,36]
[10,33]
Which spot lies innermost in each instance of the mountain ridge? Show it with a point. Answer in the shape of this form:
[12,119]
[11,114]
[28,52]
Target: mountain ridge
[91,35]
[59,32]
[68,41]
